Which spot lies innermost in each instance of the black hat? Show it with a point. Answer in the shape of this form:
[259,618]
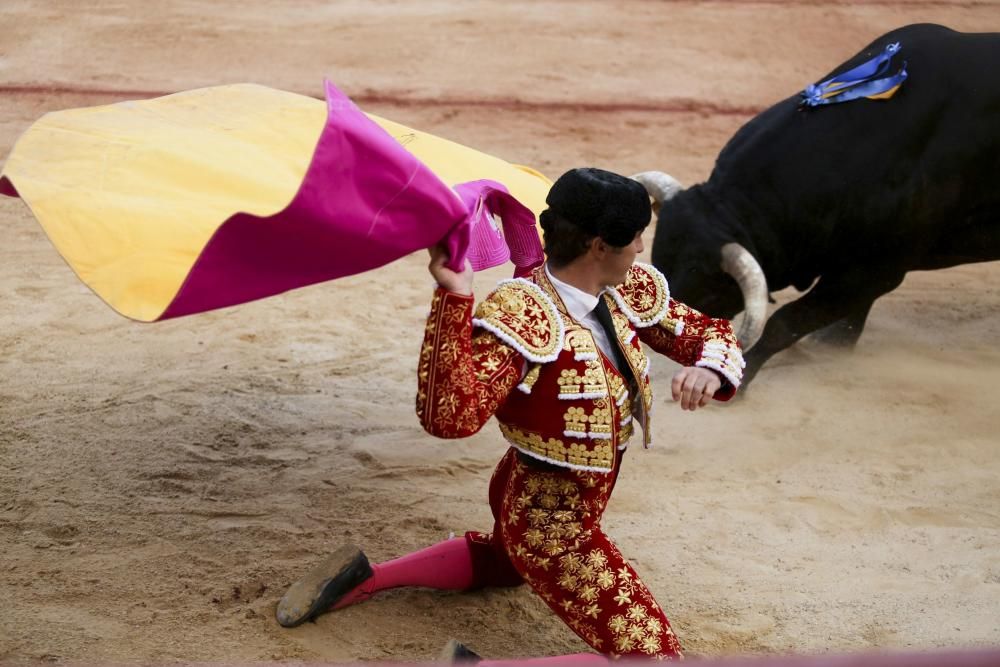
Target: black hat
[602,203]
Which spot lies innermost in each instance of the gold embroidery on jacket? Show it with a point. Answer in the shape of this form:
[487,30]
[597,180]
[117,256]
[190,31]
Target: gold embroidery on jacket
[645,292]
[598,455]
[618,391]
[625,434]
[622,326]
[487,362]
[571,384]
[636,359]
[576,421]
[599,421]
[532,376]
[581,343]
[519,311]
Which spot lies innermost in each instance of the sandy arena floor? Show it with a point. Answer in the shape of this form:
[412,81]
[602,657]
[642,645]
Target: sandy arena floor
[160,485]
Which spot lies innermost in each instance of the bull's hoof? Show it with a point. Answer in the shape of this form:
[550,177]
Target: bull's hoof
[840,335]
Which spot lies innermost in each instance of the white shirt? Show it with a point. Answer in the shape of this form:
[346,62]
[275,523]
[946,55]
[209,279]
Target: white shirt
[581,307]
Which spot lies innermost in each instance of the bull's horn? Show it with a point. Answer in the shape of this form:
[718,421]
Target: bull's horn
[741,265]
[661,187]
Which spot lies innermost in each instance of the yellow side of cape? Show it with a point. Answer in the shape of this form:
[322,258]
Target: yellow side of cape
[130,193]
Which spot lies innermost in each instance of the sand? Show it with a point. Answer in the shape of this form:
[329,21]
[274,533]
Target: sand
[161,485]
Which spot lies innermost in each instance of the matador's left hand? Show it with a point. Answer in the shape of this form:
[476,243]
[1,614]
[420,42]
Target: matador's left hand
[693,386]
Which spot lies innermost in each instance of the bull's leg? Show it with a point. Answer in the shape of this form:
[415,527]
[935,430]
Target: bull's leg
[846,332]
[832,298]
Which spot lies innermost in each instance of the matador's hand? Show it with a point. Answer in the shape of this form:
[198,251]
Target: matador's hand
[453,281]
[694,386]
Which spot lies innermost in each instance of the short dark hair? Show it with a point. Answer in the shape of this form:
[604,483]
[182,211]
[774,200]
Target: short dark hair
[564,241]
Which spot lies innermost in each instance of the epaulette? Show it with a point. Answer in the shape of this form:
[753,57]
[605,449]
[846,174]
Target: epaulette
[523,316]
[644,297]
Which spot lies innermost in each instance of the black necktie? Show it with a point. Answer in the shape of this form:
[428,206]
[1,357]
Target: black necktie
[604,317]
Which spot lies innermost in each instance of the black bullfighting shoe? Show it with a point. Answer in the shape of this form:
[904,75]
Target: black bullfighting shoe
[456,652]
[323,587]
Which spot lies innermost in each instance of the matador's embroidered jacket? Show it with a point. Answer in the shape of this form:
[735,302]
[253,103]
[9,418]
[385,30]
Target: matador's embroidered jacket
[571,407]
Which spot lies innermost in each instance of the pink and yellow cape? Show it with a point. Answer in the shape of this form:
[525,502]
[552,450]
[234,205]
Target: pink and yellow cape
[213,197]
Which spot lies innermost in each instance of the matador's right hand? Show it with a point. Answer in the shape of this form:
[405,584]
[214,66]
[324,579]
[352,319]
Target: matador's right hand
[453,281]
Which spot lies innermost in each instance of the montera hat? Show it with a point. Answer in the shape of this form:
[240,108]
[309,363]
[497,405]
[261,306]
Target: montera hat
[601,203]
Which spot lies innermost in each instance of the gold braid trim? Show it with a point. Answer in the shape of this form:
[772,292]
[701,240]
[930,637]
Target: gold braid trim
[520,314]
[600,458]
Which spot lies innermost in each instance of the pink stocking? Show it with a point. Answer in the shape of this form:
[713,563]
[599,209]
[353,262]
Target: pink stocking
[445,566]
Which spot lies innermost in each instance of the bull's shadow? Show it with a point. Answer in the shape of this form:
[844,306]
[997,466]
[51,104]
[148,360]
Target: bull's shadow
[841,200]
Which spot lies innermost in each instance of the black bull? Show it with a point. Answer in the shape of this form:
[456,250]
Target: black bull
[844,198]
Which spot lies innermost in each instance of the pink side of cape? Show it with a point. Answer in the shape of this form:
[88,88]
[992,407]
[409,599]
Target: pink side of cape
[484,244]
[364,202]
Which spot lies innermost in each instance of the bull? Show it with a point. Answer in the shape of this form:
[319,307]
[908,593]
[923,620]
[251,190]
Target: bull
[842,200]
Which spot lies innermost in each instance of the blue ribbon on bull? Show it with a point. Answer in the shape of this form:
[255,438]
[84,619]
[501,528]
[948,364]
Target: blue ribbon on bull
[858,82]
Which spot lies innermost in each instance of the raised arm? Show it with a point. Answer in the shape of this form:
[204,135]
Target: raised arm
[461,379]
